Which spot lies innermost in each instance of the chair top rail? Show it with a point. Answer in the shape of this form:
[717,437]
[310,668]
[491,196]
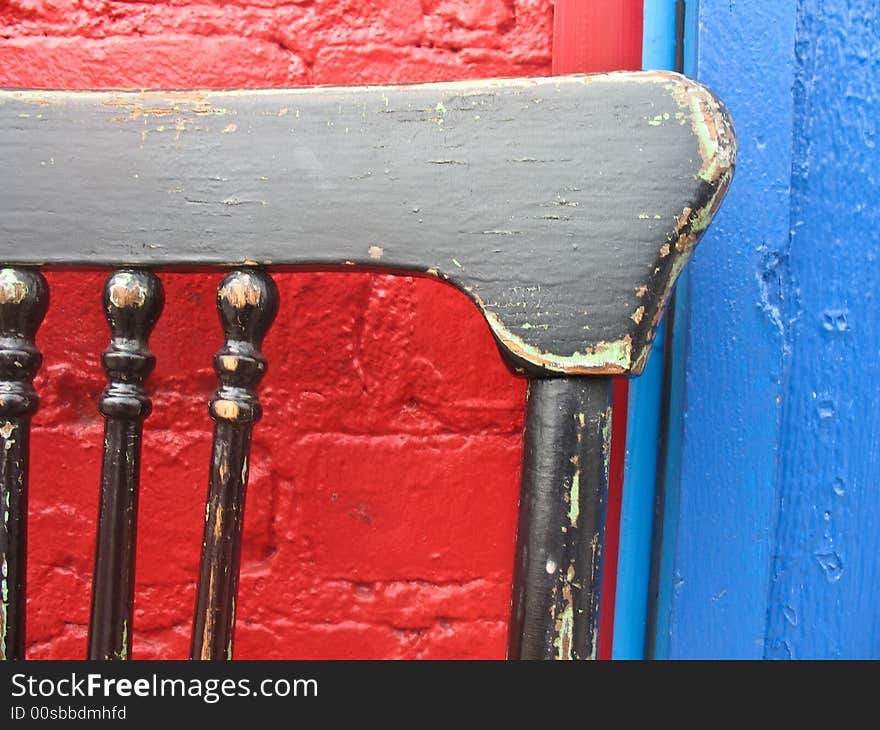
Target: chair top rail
[564,207]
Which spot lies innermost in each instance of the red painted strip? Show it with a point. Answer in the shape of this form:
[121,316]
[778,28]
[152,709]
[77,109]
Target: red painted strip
[612,525]
[591,36]
[597,35]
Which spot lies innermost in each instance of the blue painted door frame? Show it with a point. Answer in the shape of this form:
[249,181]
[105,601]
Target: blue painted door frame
[771,544]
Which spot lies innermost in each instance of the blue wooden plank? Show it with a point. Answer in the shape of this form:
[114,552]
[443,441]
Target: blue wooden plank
[825,580]
[637,508]
[643,419]
[658,35]
[716,598]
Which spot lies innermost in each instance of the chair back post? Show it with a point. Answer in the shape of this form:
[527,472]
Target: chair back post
[561,532]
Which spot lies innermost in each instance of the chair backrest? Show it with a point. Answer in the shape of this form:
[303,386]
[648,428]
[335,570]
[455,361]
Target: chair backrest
[570,256]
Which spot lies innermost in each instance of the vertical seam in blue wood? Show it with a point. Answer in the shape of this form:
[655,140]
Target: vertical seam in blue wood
[643,419]
[668,581]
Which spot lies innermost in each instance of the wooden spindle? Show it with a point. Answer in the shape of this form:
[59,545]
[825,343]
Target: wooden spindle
[24,298]
[561,531]
[133,301]
[247,301]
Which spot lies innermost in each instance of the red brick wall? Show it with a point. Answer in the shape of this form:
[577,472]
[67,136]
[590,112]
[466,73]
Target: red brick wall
[382,498]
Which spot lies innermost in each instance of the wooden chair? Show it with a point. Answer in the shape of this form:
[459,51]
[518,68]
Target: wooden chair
[563,207]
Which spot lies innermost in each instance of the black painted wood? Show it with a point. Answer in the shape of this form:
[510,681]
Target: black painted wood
[561,531]
[563,207]
[132,301]
[24,298]
[247,301]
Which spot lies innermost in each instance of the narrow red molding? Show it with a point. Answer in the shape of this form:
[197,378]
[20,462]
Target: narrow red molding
[591,36]
[612,525]
[597,35]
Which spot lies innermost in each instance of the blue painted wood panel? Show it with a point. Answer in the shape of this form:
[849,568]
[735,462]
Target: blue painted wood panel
[825,579]
[715,602]
[776,552]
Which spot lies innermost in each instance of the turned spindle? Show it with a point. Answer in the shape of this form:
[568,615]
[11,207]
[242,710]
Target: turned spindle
[24,298]
[247,301]
[133,301]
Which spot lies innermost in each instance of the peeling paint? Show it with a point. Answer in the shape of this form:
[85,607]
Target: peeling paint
[163,104]
[123,652]
[609,358]
[4,605]
[574,504]
[208,629]
[711,126]
[226,409]
[242,291]
[12,289]
[126,291]
[218,521]
[563,641]
[606,441]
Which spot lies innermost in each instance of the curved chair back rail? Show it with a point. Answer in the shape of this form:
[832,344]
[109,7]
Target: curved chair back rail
[564,207]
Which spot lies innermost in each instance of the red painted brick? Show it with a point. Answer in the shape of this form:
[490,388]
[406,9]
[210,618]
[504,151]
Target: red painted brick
[387,392]
[493,15]
[172,62]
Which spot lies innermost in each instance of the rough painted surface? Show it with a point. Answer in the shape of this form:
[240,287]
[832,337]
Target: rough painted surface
[777,540]
[824,588]
[340,559]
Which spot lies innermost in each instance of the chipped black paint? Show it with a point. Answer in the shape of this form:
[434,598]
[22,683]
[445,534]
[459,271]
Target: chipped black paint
[133,301]
[247,301]
[24,298]
[561,531]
